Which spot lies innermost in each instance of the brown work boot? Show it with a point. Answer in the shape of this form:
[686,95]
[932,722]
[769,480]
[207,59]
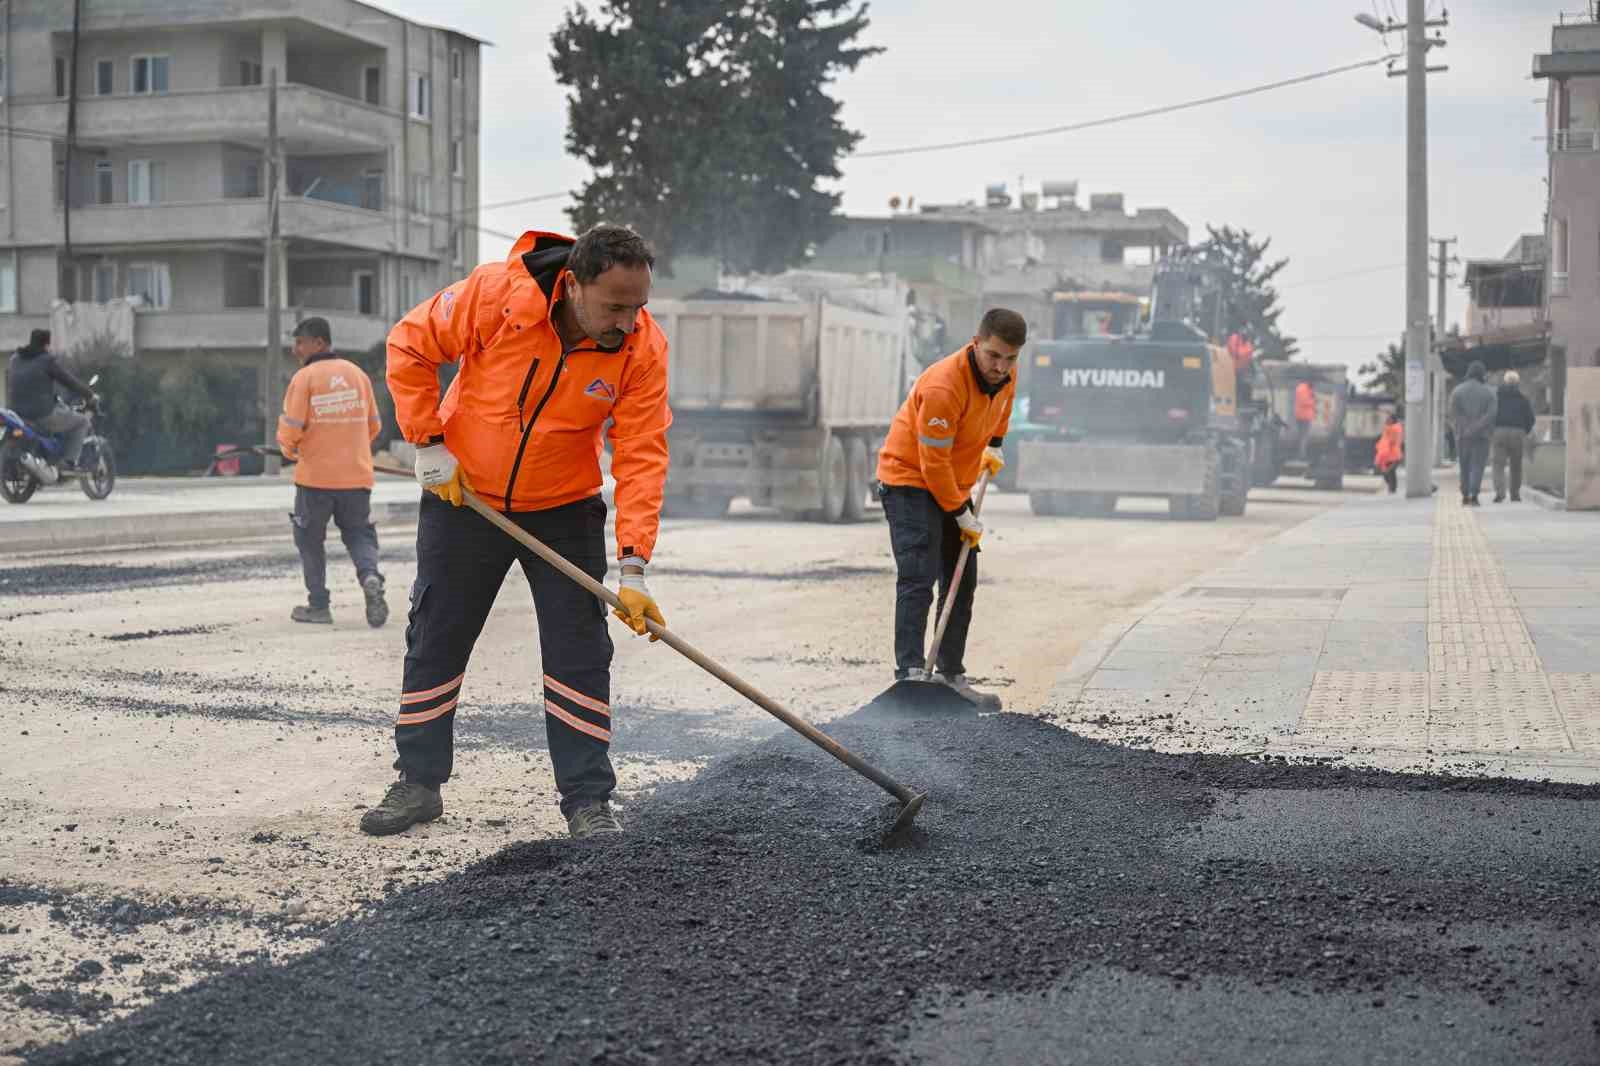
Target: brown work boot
[320,616]
[406,804]
[377,609]
[593,820]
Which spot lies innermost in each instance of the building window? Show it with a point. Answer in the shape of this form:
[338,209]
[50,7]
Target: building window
[1111,250]
[372,190]
[365,283]
[457,66]
[61,75]
[104,184]
[147,74]
[144,181]
[104,77]
[8,283]
[249,72]
[421,195]
[4,88]
[103,282]
[421,96]
[152,282]
[372,85]
[61,182]
[1558,257]
[458,245]
[458,158]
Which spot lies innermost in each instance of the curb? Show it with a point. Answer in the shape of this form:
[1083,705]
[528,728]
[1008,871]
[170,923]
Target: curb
[140,531]
[1548,500]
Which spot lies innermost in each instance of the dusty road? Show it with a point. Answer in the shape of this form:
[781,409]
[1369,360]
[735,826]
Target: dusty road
[184,766]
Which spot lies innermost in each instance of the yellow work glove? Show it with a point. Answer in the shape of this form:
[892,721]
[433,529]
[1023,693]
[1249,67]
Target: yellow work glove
[971,528]
[439,473]
[637,605]
[994,461]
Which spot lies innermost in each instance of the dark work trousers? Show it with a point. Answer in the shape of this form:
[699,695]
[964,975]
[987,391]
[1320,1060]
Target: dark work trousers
[1391,477]
[351,511]
[1472,455]
[461,562]
[926,542]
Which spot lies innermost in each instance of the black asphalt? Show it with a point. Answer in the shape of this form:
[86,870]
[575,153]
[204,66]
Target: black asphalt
[1067,901]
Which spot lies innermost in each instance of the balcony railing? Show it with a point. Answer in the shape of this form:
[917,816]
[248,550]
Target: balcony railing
[1577,140]
[236,219]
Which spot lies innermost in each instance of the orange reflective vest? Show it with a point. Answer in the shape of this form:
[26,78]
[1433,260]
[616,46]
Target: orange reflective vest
[524,414]
[329,422]
[1391,447]
[937,439]
[1305,402]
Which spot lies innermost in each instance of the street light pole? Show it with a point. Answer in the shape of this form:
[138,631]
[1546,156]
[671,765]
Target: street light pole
[1419,448]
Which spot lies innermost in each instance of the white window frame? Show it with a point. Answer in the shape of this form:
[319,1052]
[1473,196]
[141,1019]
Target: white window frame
[94,276]
[8,282]
[421,196]
[364,74]
[104,170]
[458,65]
[355,291]
[109,86]
[421,96]
[160,276]
[144,182]
[458,157]
[150,74]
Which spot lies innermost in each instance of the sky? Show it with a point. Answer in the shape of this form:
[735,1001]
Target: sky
[1318,168]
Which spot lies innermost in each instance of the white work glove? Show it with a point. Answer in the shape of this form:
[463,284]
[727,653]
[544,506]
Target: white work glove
[637,604]
[971,528]
[440,473]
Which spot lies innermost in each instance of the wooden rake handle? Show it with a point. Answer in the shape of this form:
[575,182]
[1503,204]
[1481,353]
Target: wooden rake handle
[955,581]
[682,647]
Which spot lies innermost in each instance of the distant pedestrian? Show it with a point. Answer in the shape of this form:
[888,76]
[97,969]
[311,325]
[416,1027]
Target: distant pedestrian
[1391,451]
[1305,413]
[1472,411]
[1513,421]
[329,422]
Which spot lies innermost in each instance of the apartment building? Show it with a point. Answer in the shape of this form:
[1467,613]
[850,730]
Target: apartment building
[1572,70]
[162,196]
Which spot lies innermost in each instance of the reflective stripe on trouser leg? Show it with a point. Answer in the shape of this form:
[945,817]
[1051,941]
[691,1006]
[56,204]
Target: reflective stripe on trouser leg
[576,651]
[461,562]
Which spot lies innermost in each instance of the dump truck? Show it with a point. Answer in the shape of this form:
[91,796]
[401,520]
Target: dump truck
[1365,415]
[784,402]
[1151,414]
[1321,460]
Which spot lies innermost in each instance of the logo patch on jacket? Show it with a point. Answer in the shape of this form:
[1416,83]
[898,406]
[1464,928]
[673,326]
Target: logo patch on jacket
[600,390]
[939,422]
[447,301]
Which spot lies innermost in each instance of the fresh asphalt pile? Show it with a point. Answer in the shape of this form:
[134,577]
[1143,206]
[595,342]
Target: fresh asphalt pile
[754,915]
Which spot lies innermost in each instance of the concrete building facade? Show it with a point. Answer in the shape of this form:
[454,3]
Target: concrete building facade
[1572,72]
[165,192]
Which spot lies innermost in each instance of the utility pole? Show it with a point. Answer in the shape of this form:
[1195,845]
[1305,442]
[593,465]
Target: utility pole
[1419,450]
[1443,275]
[271,392]
[67,278]
[1436,375]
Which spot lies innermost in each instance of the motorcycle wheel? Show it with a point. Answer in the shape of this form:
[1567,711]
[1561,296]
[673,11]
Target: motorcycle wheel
[16,484]
[101,465]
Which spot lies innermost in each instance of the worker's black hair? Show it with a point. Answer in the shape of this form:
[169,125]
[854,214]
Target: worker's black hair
[604,247]
[1477,371]
[39,338]
[1006,324]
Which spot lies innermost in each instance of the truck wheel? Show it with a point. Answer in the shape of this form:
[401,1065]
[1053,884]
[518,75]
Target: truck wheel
[858,477]
[1205,506]
[1264,470]
[833,474]
[1096,504]
[1047,504]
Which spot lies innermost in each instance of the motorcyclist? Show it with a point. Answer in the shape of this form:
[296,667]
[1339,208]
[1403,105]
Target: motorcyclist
[31,379]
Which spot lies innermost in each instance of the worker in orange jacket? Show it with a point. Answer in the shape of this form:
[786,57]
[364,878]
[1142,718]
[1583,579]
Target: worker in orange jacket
[552,345]
[329,421]
[1305,413]
[1391,450]
[949,428]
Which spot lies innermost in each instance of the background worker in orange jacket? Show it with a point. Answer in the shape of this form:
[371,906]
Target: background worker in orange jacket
[1305,413]
[1391,450]
[552,344]
[329,422]
[950,427]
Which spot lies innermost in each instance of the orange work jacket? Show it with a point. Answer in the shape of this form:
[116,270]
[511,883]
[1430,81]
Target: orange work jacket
[524,415]
[1391,447]
[329,422]
[1305,402]
[937,439]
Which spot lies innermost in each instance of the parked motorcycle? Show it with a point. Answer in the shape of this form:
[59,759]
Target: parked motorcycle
[30,458]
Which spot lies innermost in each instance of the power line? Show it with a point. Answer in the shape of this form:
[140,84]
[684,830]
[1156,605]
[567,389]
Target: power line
[1340,277]
[1125,117]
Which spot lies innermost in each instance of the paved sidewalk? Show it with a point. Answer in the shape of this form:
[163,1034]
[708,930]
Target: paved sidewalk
[143,511]
[1386,632]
